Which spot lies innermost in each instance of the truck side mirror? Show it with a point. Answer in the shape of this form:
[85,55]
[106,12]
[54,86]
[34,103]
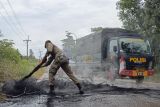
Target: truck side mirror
[115,48]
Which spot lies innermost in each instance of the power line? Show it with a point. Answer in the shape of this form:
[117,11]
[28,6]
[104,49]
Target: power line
[27,43]
[12,28]
[18,30]
[9,16]
[6,20]
[17,20]
[10,25]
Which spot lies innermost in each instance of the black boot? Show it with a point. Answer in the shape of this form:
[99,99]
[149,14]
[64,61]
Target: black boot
[80,88]
[51,91]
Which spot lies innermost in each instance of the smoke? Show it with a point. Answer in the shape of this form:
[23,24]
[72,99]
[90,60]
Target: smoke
[91,72]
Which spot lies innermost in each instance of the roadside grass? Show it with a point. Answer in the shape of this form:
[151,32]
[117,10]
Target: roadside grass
[11,70]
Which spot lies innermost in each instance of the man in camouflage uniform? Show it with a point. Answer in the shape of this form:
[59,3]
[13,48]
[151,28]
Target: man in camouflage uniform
[60,60]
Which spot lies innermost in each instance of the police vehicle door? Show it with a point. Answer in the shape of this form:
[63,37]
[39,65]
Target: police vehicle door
[113,53]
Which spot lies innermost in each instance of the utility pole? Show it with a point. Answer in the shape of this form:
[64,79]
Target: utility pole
[27,41]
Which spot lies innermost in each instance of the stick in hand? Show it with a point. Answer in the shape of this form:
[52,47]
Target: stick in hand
[31,73]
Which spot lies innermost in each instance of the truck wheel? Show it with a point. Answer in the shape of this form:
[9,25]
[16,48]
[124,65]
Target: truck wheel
[140,79]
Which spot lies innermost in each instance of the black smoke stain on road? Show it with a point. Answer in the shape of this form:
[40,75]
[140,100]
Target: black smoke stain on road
[67,89]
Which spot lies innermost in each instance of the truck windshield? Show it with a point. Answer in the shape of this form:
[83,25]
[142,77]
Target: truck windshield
[134,45]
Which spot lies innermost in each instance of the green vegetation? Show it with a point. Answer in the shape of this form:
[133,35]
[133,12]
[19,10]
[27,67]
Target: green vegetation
[143,16]
[12,64]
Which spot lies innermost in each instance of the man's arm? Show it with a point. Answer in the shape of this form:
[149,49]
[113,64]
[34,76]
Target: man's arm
[49,61]
[44,59]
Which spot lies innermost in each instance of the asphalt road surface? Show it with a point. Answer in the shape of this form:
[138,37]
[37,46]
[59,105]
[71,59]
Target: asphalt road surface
[97,94]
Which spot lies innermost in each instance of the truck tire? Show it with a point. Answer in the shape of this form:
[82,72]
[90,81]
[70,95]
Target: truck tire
[140,79]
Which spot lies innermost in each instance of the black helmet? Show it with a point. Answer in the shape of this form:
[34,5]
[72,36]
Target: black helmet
[47,41]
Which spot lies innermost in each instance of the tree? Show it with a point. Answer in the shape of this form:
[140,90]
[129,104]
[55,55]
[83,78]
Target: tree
[143,17]
[130,13]
[8,52]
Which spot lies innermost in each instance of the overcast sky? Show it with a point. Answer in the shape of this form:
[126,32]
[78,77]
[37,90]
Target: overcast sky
[49,19]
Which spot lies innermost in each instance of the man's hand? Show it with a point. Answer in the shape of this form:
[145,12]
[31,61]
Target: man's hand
[48,62]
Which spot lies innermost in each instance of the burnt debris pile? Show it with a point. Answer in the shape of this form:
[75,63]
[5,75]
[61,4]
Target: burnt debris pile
[15,87]
[31,86]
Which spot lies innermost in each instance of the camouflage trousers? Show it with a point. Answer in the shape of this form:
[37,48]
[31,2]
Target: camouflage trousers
[63,62]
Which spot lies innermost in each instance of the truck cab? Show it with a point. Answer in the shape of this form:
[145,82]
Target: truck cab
[129,56]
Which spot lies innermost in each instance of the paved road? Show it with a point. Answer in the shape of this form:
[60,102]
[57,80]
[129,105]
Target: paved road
[97,94]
